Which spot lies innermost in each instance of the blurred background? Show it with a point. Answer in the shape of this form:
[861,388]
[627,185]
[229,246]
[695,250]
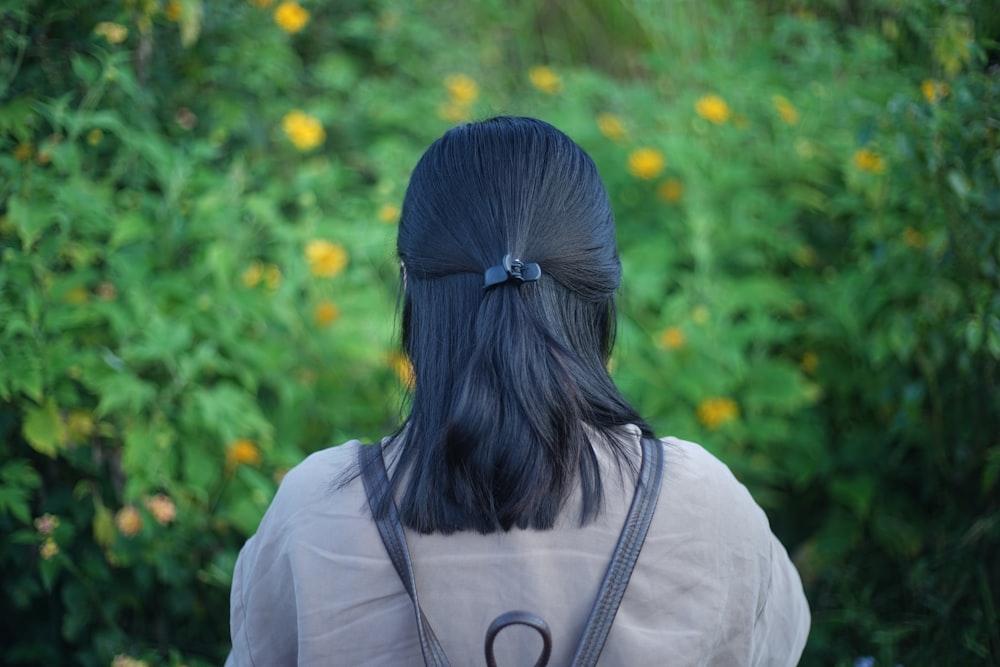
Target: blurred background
[198,202]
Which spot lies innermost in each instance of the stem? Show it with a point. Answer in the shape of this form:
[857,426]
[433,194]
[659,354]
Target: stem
[18,59]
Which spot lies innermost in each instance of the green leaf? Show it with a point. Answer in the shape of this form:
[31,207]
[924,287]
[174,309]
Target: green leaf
[165,340]
[230,411]
[44,429]
[17,479]
[21,371]
[142,458]
[895,532]
[201,469]
[85,68]
[776,385]
[48,570]
[77,606]
[15,117]
[190,21]
[124,392]
[30,218]
[959,184]
[130,227]
[974,335]
[837,536]
[103,525]
[20,472]
[855,492]
[991,470]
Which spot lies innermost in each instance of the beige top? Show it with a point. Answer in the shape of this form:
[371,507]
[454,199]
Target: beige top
[712,585]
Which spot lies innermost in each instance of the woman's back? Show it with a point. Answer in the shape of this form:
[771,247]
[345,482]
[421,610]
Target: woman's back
[712,585]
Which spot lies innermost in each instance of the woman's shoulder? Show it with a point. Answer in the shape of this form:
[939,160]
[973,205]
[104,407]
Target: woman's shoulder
[691,464]
[323,478]
[698,484]
[320,464]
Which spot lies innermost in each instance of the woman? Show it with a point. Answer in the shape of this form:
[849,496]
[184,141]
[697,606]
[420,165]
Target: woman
[517,464]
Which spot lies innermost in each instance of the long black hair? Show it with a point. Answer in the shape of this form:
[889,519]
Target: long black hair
[511,390]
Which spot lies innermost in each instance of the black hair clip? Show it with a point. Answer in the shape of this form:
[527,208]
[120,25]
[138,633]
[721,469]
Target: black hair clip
[515,269]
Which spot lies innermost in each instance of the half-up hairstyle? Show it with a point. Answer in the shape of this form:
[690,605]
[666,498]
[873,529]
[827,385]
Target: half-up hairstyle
[511,389]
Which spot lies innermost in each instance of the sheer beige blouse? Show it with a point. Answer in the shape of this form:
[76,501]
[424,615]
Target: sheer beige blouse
[712,586]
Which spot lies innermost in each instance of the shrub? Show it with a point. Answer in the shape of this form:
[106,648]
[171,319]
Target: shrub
[196,274]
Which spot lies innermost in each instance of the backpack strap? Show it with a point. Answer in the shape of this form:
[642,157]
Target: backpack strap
[510,618]
[630,542]
[376,483]
[602,615]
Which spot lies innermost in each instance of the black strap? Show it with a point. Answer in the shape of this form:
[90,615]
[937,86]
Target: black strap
[519,618]
[376,483]
[630,542]
[602,615]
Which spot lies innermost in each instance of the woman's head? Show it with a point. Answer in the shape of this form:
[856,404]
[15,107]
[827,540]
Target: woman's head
[510,185]
[514,186]
[506,375]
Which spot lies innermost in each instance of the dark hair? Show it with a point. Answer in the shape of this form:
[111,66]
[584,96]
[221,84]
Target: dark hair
[511,387]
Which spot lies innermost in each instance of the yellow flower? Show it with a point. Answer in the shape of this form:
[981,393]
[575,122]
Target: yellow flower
[673,338]
[242,451]
[115,33]
[646,163]
[545,79]
[400,363]
[107,291]
[77,296]
[306,376]
[934,91]
[388,20]
[786,110]
[162,508]
[670,190]
[291,16]
[95,136]
[805,256]
[185,118]
[46,524]
[700,315]
[810,360]
[913,238]
[462,89]
[713,108]
[49,549]
[714,412]
[129,521]
[868,160]
[388,213]
[253,273]
[122,660]
[173,10]
[303,130]
[454,113]
[79,424]
[326,259]
[326,313]
[24,151]
[611,126]
[272,277]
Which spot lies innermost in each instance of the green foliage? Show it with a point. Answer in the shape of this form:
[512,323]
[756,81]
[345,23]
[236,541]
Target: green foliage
[197,207]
